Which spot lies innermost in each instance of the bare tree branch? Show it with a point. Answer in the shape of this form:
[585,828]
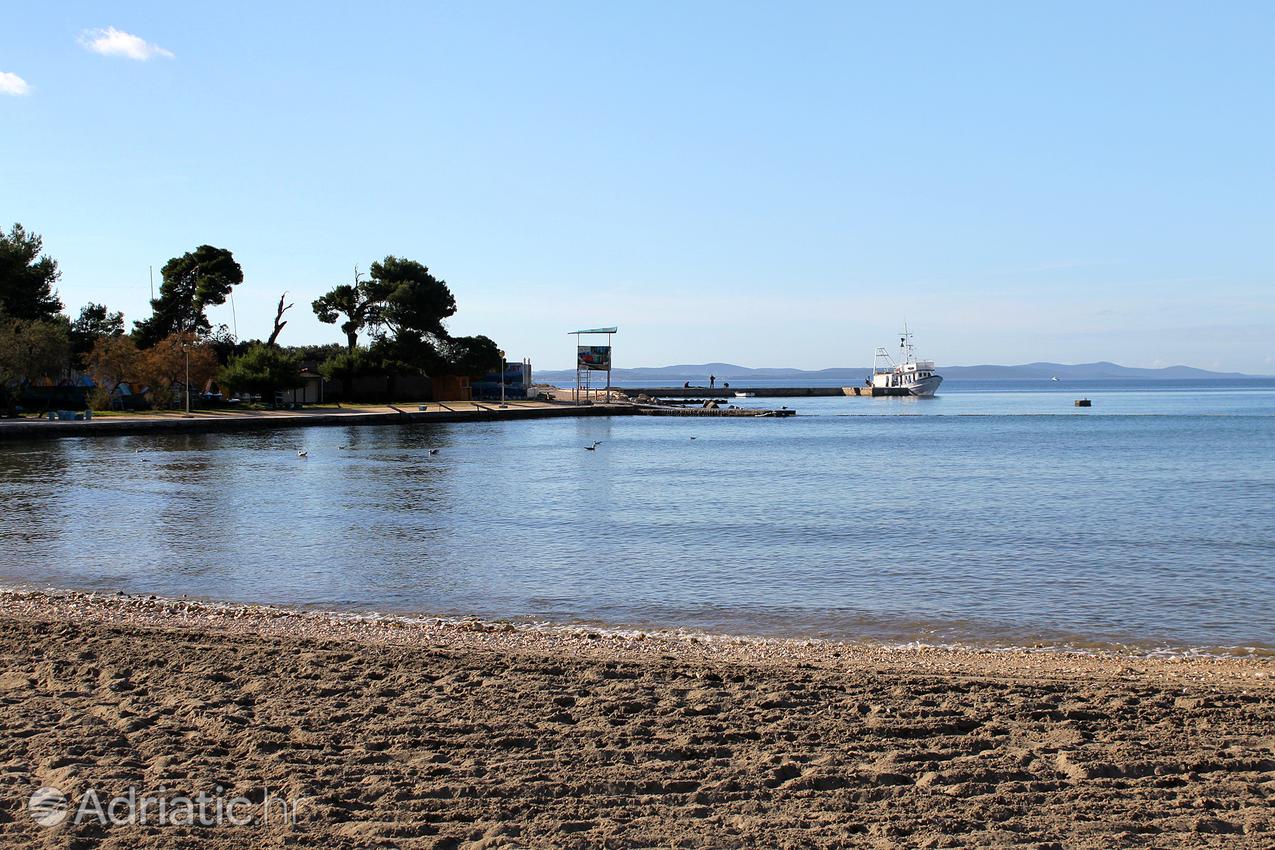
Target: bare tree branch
[278,319]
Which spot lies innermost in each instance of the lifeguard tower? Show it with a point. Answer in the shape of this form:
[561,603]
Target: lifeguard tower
[590,359]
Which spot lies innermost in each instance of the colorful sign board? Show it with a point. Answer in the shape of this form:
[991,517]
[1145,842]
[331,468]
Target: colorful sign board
[595,358]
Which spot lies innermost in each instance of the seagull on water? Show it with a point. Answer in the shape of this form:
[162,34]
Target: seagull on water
[433,451]
[303,453]
[594,447]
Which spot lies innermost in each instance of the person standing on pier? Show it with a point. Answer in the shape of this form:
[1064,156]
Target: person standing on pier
[712,379]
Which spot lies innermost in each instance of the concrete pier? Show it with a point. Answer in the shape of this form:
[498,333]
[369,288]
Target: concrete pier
[738,412]
[761,392]
[875,392]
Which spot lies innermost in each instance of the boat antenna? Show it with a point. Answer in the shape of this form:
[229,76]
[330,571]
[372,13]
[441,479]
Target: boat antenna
[905,345]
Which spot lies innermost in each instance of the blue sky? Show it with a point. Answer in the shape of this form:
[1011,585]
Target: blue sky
[771,185]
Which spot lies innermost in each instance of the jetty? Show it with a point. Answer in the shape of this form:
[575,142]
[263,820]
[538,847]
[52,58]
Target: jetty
[862,390]
[682,410]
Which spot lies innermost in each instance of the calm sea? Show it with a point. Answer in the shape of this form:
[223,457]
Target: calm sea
[994,514]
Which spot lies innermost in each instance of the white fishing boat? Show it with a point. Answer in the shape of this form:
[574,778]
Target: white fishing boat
[917,377]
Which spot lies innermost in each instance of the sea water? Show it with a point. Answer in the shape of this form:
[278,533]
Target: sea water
[996,514]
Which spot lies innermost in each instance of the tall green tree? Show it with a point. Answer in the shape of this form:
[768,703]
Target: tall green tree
[410,335]
[360,303]
[414,300]
[27,276]
[404,307]
[95,322]
[191,283]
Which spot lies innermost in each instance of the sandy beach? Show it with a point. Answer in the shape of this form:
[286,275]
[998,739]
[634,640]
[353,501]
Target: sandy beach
[395,733]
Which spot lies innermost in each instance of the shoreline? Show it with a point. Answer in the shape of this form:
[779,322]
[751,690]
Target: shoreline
[473,735]
[585,640]
[209,608]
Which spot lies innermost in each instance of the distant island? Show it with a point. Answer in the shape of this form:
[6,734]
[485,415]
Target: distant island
[1102,371]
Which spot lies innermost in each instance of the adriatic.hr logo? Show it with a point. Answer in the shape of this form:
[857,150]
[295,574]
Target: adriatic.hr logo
[50,807]
[47,806]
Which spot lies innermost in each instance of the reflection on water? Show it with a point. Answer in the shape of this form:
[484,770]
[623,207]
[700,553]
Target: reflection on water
[1148,529]
[31,521]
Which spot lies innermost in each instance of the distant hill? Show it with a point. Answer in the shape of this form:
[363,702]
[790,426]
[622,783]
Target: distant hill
[1102,371]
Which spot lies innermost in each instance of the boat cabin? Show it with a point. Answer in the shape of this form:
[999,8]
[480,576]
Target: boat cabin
[904,374]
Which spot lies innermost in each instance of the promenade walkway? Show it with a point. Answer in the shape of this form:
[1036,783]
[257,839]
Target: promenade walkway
[236,420]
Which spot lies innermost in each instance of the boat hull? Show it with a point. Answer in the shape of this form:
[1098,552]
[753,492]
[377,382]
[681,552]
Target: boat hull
[926,387]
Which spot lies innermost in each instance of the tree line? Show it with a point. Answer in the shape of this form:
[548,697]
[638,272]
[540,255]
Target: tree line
[392,319]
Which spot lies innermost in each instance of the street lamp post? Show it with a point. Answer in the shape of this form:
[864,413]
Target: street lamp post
[502,378]
[186,386]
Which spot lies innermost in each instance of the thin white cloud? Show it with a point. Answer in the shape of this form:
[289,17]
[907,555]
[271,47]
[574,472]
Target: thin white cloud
[13,84]
[113,42]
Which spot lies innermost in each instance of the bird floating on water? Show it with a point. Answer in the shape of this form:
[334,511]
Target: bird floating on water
[303,453]
[594,447]
[433,451]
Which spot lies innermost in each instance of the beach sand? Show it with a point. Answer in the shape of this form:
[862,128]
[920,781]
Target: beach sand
[423,734]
